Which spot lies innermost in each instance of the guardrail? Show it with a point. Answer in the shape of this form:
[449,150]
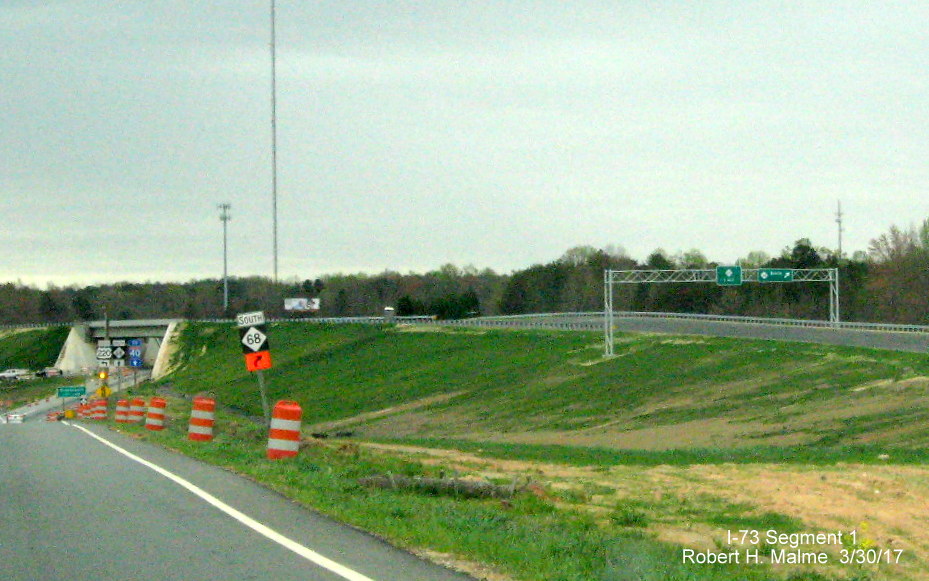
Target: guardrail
[335,320]
[35,325]
[538,321]
[895,328]
[544,320]
[588,320]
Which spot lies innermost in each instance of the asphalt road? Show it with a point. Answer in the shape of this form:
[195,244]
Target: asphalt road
[916,342]
[73,508]
[888,340]
[42,407]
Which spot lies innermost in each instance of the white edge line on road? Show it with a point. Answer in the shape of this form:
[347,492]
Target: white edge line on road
[308,554]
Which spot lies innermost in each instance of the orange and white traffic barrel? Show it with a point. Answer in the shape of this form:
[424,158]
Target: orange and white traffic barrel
[155,420]
[201,419]
[99,412]
[122,411]
[284,438]
[136,410]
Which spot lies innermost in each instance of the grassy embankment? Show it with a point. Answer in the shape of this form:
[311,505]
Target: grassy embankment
[31,349]
[673,442]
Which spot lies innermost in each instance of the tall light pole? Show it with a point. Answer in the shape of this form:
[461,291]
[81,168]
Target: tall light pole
[838,220]
[225,217]
[274,133]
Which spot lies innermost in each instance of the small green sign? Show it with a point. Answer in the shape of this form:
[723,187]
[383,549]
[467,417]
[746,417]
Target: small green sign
[729,275]
[775,275]
[72,391]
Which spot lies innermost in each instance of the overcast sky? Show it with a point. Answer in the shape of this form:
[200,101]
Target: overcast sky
[412,134]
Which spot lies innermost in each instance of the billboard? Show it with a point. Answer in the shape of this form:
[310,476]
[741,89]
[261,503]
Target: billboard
[301,304]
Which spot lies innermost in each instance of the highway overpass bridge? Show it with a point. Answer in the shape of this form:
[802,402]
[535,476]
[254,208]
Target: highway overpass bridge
[79,353]
[131,329]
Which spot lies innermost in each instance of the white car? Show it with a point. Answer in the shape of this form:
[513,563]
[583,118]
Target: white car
[15,418]
[13,374]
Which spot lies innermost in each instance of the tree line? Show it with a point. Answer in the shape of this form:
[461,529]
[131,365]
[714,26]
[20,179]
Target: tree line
[885,284]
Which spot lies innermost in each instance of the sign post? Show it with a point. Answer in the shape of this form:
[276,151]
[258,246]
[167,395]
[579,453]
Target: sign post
[255,347]
[71,391]
[264,397]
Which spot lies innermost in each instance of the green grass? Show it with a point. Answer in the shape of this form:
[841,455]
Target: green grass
[528,538]
[579,456]
[340,371]
[22,392]
[33,349]
[500,382]
[517,381]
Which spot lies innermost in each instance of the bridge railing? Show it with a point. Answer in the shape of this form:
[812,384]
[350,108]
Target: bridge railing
[35,325]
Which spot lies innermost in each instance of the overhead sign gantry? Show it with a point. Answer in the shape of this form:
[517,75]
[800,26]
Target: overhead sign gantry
[722,276]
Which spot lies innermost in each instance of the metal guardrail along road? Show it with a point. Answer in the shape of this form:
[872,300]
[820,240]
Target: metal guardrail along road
[594,320]
[579,320]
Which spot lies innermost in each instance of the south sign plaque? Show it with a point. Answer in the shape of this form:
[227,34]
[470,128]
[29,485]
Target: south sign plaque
[253,335]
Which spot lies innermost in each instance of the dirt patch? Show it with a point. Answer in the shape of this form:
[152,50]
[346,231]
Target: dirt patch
[885,505]
[593,362]
[707,433]
[848,358]
[556,380]
[627,433]
[919,382]
[595,346]
[477,570]
[386,412]
[419,423]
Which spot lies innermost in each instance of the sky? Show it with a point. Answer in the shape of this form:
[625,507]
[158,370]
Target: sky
[496,134]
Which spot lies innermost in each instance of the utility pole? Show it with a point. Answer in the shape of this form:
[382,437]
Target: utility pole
[838,220]
[105,375]
[274,133]
[225,217]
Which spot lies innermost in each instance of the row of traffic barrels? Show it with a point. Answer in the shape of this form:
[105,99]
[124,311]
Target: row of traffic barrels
[283,438]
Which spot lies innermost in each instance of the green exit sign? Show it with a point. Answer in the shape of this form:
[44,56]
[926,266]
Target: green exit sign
[775,275]
[728,275]
[72,391]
